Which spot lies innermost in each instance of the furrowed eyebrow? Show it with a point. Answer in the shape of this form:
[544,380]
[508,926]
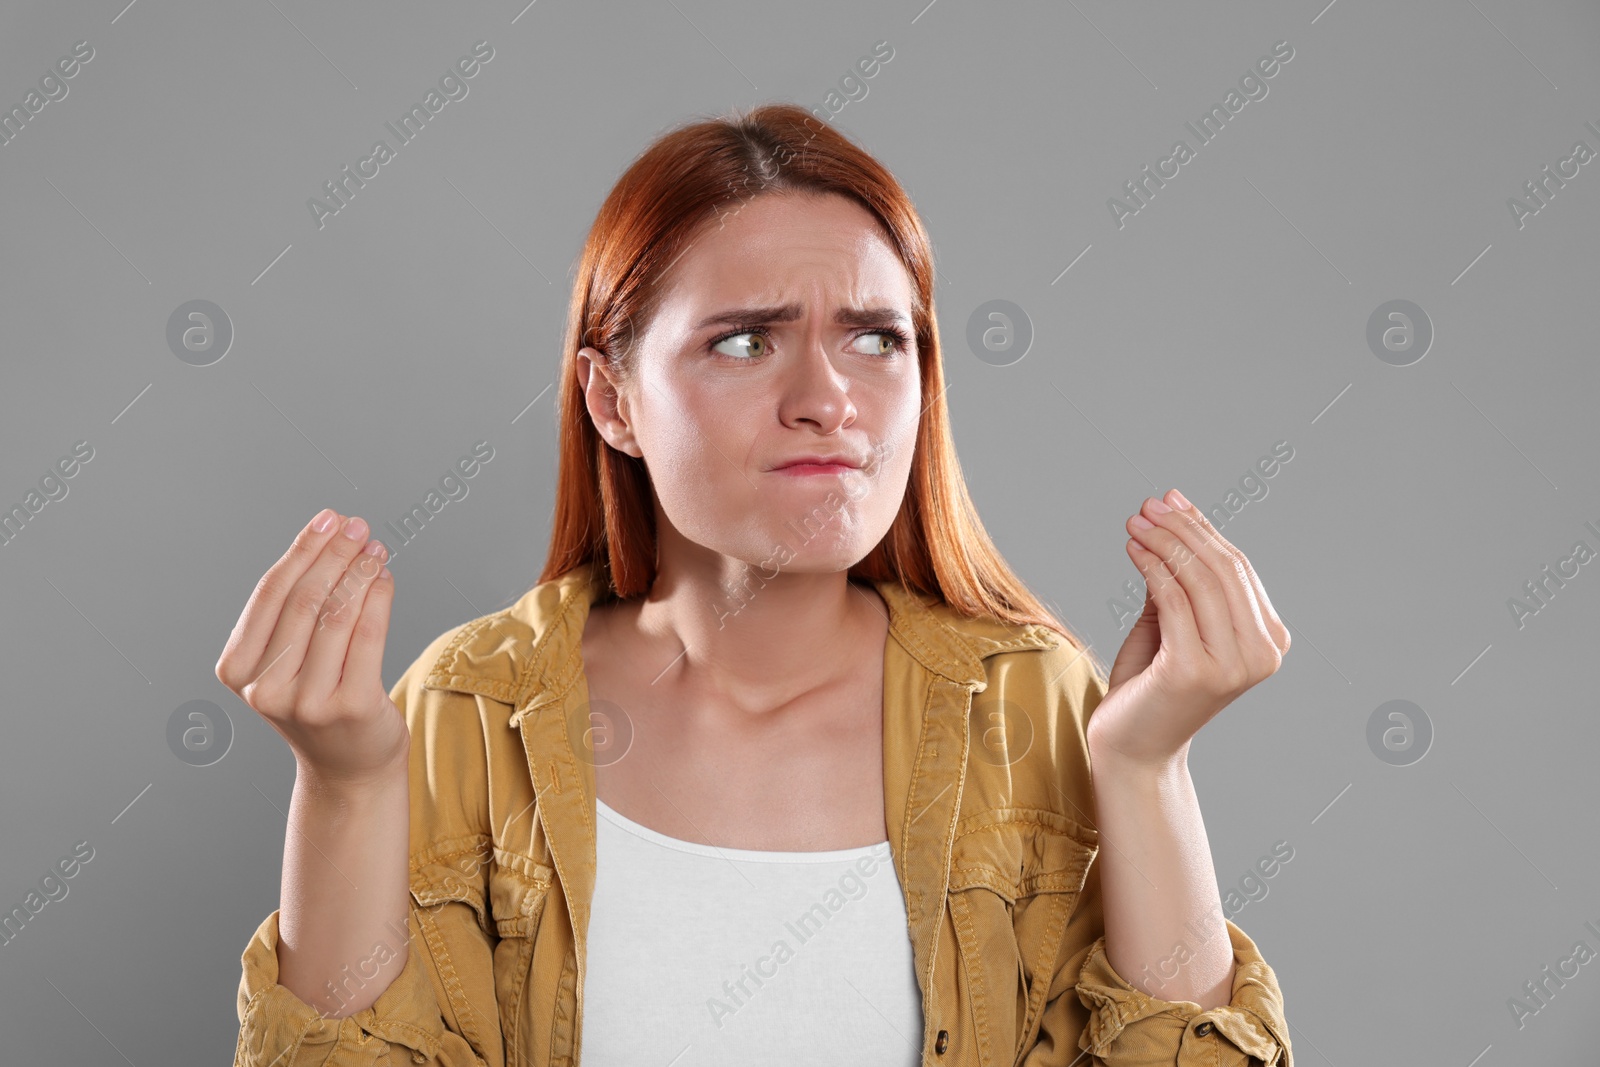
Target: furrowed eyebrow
[789,312]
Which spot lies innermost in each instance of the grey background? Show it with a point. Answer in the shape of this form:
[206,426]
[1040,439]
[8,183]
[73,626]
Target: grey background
[1229,314]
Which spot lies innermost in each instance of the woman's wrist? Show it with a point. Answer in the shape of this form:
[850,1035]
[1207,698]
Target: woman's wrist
[1150,765]
[354,790]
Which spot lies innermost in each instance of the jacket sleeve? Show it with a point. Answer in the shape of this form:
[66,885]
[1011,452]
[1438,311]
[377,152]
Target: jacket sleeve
[1128,1028]
[1093,1017]
[441,1009]
[403,1026]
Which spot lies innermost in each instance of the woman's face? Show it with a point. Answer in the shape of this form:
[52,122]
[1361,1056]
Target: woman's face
[770,345]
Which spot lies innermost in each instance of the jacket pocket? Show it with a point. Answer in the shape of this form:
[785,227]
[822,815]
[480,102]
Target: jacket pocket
[1015,877]
[449,887]
[518,889]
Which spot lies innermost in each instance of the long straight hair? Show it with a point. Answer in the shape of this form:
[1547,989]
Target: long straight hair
[688,178]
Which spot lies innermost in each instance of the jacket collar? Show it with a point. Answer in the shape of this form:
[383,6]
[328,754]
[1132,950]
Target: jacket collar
[528,654]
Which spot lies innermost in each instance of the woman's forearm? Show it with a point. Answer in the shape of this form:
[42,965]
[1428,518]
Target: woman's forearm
[1165,932]
[344,900]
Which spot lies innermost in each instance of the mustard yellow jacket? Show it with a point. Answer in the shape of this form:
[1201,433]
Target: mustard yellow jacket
[994,853]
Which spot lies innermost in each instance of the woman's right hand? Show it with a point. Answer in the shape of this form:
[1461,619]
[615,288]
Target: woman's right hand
[307,655]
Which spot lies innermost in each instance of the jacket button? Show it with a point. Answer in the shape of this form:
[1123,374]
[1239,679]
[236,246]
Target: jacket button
[1203,1029]
[941,1042]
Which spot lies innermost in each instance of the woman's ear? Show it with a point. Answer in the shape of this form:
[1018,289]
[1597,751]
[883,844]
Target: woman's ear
[607,407]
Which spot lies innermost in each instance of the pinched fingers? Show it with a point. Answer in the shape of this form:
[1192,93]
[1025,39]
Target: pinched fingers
[251,650]
[1181,568]
[1260,636]
[1273,625]
[342,623]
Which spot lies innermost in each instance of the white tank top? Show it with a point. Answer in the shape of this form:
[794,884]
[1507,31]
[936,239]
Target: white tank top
[702,956]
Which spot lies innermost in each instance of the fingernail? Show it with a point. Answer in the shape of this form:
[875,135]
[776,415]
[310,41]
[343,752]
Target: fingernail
[1179,501]
[354,528]
[1158,506]
[1143,523]
[323,520]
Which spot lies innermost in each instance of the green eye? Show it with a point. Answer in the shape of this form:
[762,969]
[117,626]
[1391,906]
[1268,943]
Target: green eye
[890,342]
[885,342]
[756,347]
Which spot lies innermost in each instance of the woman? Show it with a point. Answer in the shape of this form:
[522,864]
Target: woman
[779,761]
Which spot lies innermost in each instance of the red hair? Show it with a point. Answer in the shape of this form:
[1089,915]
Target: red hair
[604,508]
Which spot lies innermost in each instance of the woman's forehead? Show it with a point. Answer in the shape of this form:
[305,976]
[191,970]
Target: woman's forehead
[786,279]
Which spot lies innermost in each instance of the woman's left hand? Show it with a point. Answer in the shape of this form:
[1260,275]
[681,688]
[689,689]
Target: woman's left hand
[1208,633]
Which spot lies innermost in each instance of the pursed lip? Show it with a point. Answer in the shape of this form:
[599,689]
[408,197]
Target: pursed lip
[819,461]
